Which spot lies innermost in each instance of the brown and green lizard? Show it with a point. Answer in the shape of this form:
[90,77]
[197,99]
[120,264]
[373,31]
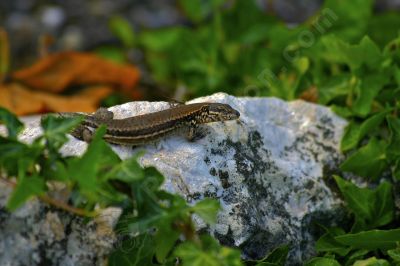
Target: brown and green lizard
[146,128]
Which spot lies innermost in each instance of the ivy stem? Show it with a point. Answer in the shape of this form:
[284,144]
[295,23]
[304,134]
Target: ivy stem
[56,203]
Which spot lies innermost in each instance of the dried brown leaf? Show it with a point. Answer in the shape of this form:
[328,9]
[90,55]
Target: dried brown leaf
[55,72]
[23,101]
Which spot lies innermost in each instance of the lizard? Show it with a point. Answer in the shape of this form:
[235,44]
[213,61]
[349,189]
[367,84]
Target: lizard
[146,128]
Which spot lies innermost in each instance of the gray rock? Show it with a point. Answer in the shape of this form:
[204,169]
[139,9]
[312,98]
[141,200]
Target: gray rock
[267,170]
[37,234]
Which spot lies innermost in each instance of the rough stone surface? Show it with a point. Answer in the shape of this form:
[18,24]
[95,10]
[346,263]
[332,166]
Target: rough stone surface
[267,170]
[38,235]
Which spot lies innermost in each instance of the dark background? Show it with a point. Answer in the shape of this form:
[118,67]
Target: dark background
[83,25]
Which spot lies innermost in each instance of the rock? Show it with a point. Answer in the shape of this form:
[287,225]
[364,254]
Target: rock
[267,170]
[38,235]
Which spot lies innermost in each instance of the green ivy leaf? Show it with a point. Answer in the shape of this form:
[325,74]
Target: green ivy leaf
[351,137]
[328,243]
[165,238]
[372,208]
[318,261]
[276,257]
[371,262]
[198,10]
[56,171]
[372,240]
[16,156]
[117,55]
[382,27]
[393,152]
[85,170]
[123,30]
[368,89]
[354,56]
[27,187]
[394,254]
[56,128]
[160,40]
[356,255]
[207,209]
[209,253]
[354,133]
[334,87]
[337,19]
[137,251]
[13,125]
[127,170]
[369,161]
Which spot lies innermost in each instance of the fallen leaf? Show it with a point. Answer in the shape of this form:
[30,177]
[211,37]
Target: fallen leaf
[4,54]
[310,95]
[22,101]
[55,72]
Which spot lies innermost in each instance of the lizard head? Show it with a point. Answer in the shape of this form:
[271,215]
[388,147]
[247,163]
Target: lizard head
[221,112]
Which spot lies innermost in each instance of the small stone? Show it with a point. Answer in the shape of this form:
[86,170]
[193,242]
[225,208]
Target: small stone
[52,17]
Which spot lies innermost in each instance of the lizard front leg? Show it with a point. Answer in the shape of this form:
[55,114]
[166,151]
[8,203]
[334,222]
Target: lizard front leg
[82,133]
[195,132]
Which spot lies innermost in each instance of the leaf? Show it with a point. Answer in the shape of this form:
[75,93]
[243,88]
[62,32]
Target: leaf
[13,125]
[337,19]
[373,208]
[134,251]
[392,150]
[123,30]
[127,170]
[165,238]
[369,161]
[355,133]
[394,254]
[4,55]
[85,170]
[56,171]
[372,240]
[209,253]
[112,53]
[26,188]
[358,254]
[310,95]
[369,88]
[207,209]
[17,156]
[382,27]
[342,111]
[302,64]
[56,128]
[22,101]
[198,10]
[57,71]
[276,257]
[161,39]
[351,137]
[371,262]
[318,261]
[355,56]
[372,123]
[328,243]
